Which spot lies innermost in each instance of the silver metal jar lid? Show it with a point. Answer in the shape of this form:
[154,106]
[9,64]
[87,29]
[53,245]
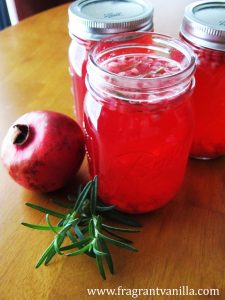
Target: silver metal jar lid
[204,24]
[95,19]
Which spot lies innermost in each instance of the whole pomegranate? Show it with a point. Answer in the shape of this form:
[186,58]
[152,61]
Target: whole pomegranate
[42,150]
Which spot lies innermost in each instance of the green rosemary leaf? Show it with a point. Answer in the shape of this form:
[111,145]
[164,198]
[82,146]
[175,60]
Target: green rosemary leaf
[85,229]
[94,195]
[85,209]
[68,226]
[118,243]
[121,238]
[90,253]
[82,196]
[44,255]
[98,222]
[101,209]
[98,253]
[76,244]
[120,228]
[61,222]
[46,210]
[51,254]
[60,237]
[80,251]
[84,220]
[73,240]
[108,257]
[122,218]
[58,240]
[100,266]
[67,218]
[40,227]
[91,229]
[96,250]
[101,204]
[49,224]
[78,232]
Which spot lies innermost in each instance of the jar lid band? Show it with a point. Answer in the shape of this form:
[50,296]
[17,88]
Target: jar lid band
[204,24]
[94,19]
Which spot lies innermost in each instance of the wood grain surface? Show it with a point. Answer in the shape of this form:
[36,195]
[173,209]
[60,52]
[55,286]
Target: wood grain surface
[182,244]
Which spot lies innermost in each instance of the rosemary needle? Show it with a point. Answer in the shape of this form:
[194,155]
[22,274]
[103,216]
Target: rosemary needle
[83,226]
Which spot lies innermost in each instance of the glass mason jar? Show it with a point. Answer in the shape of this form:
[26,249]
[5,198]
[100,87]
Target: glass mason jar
[203,29]
[138,119]
[93,20]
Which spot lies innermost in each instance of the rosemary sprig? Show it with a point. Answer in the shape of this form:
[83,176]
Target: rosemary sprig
[84,227]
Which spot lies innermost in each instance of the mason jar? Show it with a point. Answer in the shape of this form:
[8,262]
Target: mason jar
[203,29]
[93,20]
[138,118]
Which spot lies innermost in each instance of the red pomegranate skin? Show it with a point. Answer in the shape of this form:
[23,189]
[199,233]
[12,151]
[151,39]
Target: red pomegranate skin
[51,155]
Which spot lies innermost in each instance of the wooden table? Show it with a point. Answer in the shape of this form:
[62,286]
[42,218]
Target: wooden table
[182,244]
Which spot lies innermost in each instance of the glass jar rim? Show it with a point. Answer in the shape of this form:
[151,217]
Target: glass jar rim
[138,89]
[98,69]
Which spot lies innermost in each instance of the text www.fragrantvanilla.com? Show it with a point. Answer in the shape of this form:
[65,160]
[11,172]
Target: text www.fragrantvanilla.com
[135,293]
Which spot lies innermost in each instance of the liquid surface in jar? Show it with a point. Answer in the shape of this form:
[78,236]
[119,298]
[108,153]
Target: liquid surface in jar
[139,151]
[141,66]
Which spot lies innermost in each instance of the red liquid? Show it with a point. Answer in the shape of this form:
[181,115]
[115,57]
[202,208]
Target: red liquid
[208,101]
[78,57]
[139,151]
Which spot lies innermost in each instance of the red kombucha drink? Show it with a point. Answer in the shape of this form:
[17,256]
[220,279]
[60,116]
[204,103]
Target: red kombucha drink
[138,120]
[91,21]
[203,29]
